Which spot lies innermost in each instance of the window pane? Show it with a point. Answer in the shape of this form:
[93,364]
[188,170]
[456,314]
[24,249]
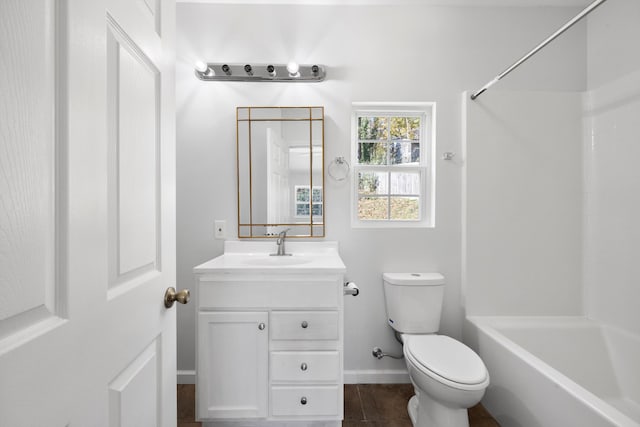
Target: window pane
[372,128]
[372,153]
[405,128]
[373,183]
[302,209]
[302,194]
[317,210]
[373,208]
[317,195]
[405,183]
[404,152]
[405,208]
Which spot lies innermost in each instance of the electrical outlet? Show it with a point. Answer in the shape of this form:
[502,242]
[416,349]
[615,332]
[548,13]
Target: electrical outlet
[220,229]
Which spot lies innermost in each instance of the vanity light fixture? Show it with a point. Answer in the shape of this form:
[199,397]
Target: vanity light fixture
[291,72]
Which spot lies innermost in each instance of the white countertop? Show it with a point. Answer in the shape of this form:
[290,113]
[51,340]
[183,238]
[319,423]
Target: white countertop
[250,256]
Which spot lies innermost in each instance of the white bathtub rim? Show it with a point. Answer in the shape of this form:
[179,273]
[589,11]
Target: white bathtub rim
[486,324]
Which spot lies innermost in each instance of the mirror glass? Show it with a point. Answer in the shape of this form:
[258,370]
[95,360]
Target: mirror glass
[280,171]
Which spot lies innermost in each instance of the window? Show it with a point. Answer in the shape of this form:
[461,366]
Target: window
[306,202]
[392,165]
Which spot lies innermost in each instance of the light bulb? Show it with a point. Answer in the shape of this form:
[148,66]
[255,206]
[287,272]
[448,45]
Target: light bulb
[292,68]
[201,66]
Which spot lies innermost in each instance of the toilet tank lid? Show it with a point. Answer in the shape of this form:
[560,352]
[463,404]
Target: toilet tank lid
[414,279]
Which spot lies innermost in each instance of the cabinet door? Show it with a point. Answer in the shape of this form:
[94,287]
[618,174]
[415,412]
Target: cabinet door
[232,365]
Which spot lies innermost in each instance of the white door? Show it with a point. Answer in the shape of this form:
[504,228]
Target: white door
[277,181]
[87,235]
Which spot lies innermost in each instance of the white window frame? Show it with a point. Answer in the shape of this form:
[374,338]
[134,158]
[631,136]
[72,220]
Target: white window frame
[426,167]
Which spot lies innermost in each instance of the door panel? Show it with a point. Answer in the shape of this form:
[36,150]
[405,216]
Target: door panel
[134,146]
[28,284]
[134,395]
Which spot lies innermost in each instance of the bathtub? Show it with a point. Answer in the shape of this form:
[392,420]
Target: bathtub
[558,371]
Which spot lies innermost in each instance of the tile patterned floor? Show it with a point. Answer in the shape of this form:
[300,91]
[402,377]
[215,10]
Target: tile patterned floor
[365,405]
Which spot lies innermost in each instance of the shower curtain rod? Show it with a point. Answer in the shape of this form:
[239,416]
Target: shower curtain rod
[535,50]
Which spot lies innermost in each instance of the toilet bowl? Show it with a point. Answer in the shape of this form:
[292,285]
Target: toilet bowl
[448,377]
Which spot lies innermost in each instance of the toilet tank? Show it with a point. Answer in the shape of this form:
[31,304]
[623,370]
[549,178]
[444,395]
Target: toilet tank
[414,301]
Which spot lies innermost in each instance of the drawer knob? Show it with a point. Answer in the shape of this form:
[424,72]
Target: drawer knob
[304,324]
[303,400]
[261,326]
[303,367]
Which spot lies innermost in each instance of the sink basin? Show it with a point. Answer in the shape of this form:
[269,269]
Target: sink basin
[277,260]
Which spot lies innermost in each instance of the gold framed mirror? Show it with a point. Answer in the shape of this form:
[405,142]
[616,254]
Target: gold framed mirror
[280,165]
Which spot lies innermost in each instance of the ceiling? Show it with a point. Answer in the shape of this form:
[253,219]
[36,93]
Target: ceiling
[508,3]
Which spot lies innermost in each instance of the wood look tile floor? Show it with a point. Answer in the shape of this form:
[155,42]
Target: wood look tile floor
[365,405]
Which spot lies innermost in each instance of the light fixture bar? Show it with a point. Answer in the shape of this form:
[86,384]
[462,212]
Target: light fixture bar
[260,72]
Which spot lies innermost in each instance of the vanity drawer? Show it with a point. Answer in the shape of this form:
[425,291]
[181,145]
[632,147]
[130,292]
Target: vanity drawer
[305,366]
[304,325]
[305,401]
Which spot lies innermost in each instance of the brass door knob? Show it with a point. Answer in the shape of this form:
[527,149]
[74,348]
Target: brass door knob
[171,296]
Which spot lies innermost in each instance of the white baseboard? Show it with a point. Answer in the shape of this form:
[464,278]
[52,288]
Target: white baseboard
[376,376]
[187,377]
[367,376]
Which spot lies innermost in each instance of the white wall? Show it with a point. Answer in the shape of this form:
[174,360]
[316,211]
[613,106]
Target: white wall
[375,53]
[523,211]
[612,151]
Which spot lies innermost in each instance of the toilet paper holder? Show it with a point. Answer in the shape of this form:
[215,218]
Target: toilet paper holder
[351,288]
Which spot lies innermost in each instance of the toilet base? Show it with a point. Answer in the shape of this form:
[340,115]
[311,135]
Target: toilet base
[430,413]
[412,409]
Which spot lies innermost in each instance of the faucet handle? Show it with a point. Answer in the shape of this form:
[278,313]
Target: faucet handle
[283,233]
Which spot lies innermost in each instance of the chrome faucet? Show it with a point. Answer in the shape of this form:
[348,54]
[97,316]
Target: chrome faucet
[280,242]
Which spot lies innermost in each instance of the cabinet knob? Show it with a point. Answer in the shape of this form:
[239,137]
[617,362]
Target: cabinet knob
[303,400]
[261,326]
[304,324]
[303,367]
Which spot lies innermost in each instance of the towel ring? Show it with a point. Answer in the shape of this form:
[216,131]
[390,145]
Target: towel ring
[339,169]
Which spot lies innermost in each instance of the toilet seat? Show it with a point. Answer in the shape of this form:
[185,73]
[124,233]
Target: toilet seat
[447,361]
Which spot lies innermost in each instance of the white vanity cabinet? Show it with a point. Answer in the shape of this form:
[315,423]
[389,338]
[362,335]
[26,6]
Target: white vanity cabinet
[269,344]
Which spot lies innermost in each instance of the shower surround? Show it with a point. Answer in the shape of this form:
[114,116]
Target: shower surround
[551,207]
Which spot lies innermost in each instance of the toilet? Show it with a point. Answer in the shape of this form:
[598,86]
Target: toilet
[448,377]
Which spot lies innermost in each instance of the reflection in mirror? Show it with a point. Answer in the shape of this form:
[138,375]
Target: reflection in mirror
[280,171]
